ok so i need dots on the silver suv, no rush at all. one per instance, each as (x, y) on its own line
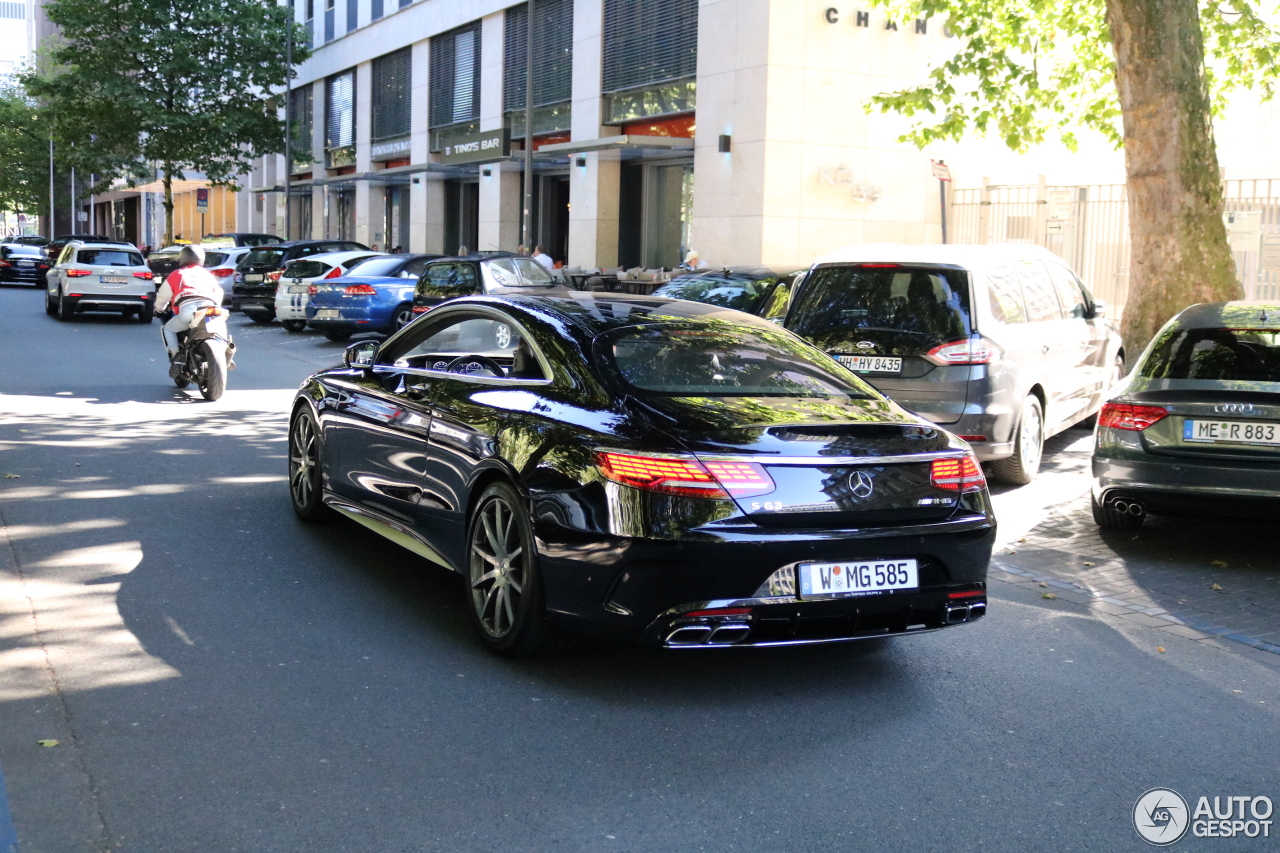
(100, 277)
(1000, 344)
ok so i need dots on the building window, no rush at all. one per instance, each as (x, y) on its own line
(650, 58)
(454, 95)
(391, 94)
(340, 119)
(375, 9)
(302, 114)
(353, 15)
(552, 66)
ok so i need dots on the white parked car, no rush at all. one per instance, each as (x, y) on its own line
(221, 261)
(100, 277)
(298, 275)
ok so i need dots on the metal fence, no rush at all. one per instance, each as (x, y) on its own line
(1088, 226)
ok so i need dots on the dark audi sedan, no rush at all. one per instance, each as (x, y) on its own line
(645, 469)
(1196, 428)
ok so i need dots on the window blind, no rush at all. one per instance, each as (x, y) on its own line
(340, 110)
(303, 117)
(454, 90)
(649, 41)
(391, 94)
(553, 54)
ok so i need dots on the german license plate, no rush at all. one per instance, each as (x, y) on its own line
(26, 263)
(250, 278)
(327, 314)
(112, 279)
(818, 580)
(1231, 432)
(871, 363)
(299, 288)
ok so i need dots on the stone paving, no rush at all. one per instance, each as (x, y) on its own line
(1198, 577)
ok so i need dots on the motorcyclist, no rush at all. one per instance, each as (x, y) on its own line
(188, 288)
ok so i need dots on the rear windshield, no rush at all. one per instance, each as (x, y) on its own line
(263, 257)
(215, 259)
(23, 251)
(306, 269)
(376, 266)
(725, 360)
(740, 292)
(1246, 355)
(109, 258)
(904, 310)
(520, 272)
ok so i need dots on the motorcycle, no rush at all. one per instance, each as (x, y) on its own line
(205, 353)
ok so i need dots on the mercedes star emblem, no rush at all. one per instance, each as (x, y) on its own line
(860, 484)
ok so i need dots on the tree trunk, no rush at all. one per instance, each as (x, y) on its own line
(1179, 251)
(168, 205)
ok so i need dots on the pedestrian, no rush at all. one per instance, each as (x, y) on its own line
(521, 250)
(374, 247)
(693, 262)
(543, 258)
(463, 250)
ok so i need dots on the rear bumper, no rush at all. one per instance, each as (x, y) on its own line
(22, 276)
(110, 301)
(1187, 484)
(640, 589)
(254, 304)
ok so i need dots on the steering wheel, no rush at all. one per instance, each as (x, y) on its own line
(481, 360)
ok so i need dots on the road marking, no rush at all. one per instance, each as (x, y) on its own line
(8, 835)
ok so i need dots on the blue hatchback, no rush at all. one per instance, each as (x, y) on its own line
(375, 296)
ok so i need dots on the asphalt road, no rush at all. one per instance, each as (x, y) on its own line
(220, 677)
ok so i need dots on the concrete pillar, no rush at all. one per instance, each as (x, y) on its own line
(500, 190)
(368, 220)
(419, 197)
(319, 222)
(593, 189)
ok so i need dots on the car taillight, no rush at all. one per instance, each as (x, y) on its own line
(147, 275)
(44, 266)
(421, 309)
(336, 272)
(741, 479)
(223, 272)
(1130, 417)
(5, 264)
(274, 275)
(360, 290)
(78, 273)
(685, 476)
(974, 350)
(957, 475)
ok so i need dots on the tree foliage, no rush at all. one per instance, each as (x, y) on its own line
(1031, 70)
(185, 84)
(24, 153)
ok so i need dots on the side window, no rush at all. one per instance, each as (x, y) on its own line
(1070, 295)
(776, 305)
(1038, 292)
(415, 267)
(465, 279)
(1005, 295)
(65, 257)
(436, 346)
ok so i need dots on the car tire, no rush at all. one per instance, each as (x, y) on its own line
(294, 325)
(1109, 518)
(304, 468)
(402, 316)
(504, 587)
(260, 318)
(146, 314)
(337, 336)
(49, 307)
(1028, 446)
(65, 309)
(213, 378)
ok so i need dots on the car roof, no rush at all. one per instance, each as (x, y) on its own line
(1239, 314)
(756, 271)
(477, 257)
(333, 257)
(593, 313)
(952, 254)
(28, 246)
(98, 244)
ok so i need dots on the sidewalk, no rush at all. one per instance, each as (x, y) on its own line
(1197, 577)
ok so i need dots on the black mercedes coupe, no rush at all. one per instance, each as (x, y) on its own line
(645, 469)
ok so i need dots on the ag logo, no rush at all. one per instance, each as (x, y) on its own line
(1161, 816)
(860, 484)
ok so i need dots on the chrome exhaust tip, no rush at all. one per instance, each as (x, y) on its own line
(689, 635)
(728, 633)
(1137, 510)
(957, 614)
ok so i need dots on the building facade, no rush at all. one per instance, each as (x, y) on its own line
(734, 127)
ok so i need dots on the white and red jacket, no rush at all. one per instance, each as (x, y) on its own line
(187, 282)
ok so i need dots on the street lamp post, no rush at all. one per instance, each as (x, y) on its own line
(288, 124)
(527, 237)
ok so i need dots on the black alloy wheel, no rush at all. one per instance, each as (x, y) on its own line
(146, 313)
(504, 589)
(304, 467)
(337, 336)
(294, 325)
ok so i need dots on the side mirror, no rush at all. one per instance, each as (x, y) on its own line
(1099, 309)
(360, 354)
